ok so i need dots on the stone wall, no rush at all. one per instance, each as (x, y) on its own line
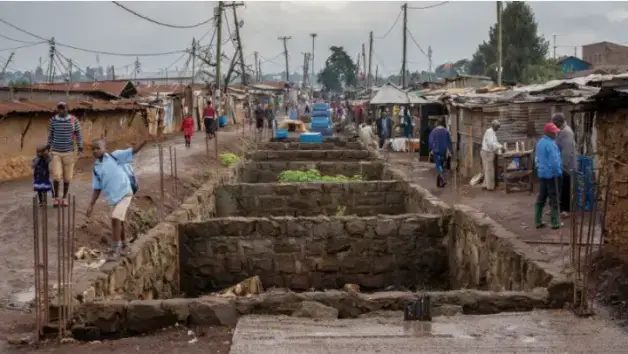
(314, 252)
(309, 155)
(310, 199)
(151, 270)
(484, 255)
(338, 145)
(108, 319)
(268, 171)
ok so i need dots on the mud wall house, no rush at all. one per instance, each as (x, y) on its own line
(24, 126)
(99, 90)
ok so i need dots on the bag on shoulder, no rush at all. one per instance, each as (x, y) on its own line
(129, 173)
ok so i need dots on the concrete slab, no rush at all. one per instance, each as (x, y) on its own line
(531, 332)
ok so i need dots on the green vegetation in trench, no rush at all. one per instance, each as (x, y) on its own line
(228, 159)
(313, 175)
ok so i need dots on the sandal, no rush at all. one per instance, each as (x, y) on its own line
(55, 202)
(64, 203)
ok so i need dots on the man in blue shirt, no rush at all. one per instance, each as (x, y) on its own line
(440, 145)
(111, 176)
(549, 170)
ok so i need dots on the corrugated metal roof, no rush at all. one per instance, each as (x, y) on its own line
(391, 94)
(47, 106)
(112, 87)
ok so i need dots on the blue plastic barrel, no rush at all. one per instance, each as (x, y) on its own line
(222, 121)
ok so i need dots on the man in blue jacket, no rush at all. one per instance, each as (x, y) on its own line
(440, 145)
(549, 170)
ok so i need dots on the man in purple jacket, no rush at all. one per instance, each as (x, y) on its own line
(440, 145)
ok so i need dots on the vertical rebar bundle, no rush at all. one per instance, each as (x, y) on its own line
(162, 211)
(173, 172)
(66, 222)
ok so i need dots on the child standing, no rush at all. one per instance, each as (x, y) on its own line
(41, 174)
(187, 126)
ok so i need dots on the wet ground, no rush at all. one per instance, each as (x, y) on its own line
(16, 235)
(532, 332)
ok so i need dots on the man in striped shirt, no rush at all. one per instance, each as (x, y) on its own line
(64, 129)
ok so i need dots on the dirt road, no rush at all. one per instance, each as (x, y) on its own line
(16, 252)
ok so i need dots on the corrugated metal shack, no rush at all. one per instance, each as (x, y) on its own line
(521, 111)
(609, 109)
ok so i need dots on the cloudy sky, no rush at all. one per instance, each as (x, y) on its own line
(453, 30)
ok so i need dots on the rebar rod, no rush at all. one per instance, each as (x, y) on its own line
(36, 260)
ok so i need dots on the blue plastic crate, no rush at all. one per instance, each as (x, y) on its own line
(320, 107)
(324, 131)
(320, 114)
(281, 134)
(320, 122)
(311, 138)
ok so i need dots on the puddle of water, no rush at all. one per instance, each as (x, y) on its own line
(23, 297)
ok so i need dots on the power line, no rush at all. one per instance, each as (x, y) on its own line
(415, 43)
(271, 60)
(391, 27)
(429, 6)
(89, 50)
(22, 46)
(16, 40)
(158, 22)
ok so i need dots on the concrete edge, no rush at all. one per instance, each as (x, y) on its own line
(94, 320)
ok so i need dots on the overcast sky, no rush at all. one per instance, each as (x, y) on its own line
(453, 30)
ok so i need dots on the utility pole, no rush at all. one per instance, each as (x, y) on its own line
(306, 61)
(67, 91)
(218, 21)
(575, 52)
(376, 72)
(193, 59)
(233, 6)
(6, 65)
(369, 81)
(363, 59)
(405, 42)
(113, 72)
(51, 60)
(285, 53)
(313, 35)
(554, 40)
(429, 58)
(499, 43)
(136, 69)
(255, 55)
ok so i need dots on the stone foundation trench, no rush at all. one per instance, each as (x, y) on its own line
(392, 242)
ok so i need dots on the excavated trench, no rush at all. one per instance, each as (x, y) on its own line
(352, 247)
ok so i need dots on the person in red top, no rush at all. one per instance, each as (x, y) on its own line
(209, 118)
(187, 126)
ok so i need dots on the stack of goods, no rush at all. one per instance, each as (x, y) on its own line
(321, 119)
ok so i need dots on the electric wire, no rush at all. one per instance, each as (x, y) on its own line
(21, 47)
(272, 59)
(391, 27)
(158, 22)
(16, 40)
(89, 50)
(429, 6)
(417, 44)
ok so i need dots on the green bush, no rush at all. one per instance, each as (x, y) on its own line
(228, 159)
(313, 175)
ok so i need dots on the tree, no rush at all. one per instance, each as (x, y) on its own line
(522, 47)
(339, 69)
(543, 72)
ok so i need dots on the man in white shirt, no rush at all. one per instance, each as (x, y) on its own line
(490, 146)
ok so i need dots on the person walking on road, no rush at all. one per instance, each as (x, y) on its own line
(41, 174)
(63, 131)
(113, 176)
(209, 120)
(549, 171)
(567, 145)
(259, 119)
(384, 127)
(187, 126)
(490, 147)
(440, 145)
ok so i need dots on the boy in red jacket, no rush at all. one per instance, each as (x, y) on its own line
(187, 126)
